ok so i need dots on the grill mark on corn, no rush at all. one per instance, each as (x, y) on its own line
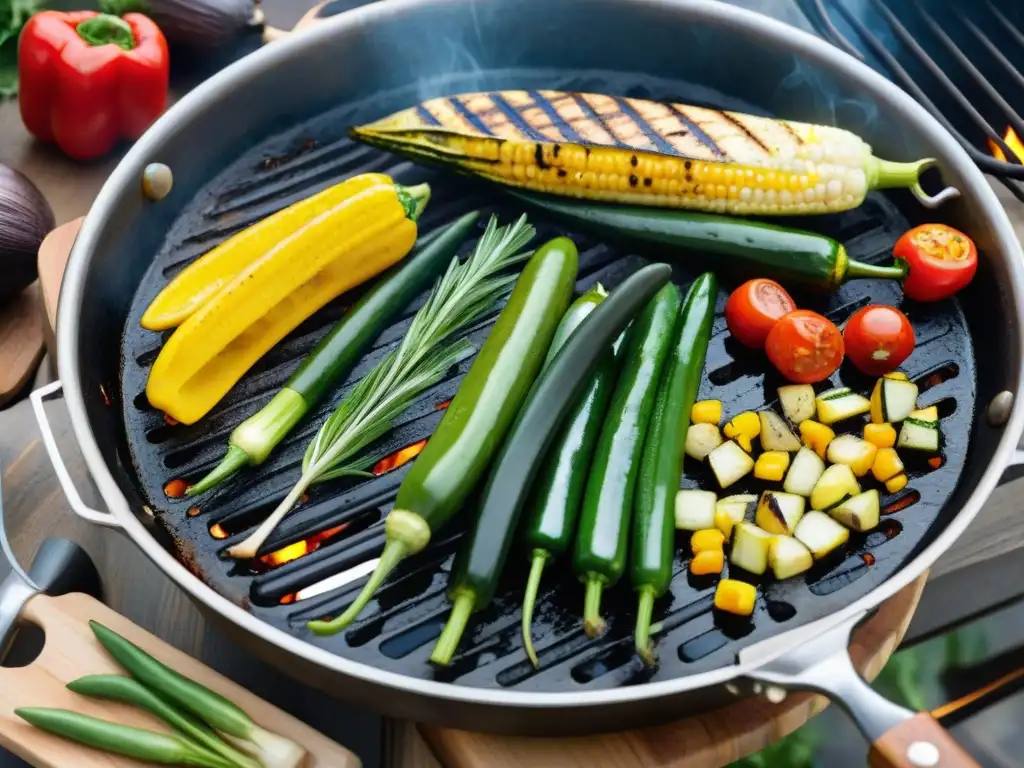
(646, 128)
(789, 129)
(426, 115)
(696, 130)
(590, 113)
(560, 124)
(732, 120)
(516, 119)
(469, 116)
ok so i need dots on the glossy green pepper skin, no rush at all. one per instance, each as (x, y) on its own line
(482, 553)
(751, 247)
(557, 494)
(661, 467)
(599, 557)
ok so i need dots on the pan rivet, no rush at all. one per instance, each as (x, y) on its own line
(157, 181)
(758, 689)
(923, 754)
(732, 688)
(998, 412)
(774, 694)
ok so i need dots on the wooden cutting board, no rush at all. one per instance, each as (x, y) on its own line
(71, 651)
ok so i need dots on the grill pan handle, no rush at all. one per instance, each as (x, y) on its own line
(74, 498)
(900, 738)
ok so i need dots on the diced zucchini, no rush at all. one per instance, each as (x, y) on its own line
(779, 512)
(702, 439)
(920, 431)
(695, 510)
(892, 399)
(836, 484)
(776, 434)
(787, 557)
(854, 452)
(797, 402)
(750, 548)
(838, 404)
(820, 533)
(729, 462)
(804, 472)
(732, 510)
(859, 513)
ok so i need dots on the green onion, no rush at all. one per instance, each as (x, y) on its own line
(272, 750)
(129, 691)
(463, 294)
(138, 743)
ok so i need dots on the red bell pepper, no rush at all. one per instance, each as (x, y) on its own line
(88, 80)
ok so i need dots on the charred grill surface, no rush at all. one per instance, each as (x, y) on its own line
(341, 522)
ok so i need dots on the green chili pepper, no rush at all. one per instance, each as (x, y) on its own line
(763, 250)
(138, 743)
(664, 448)
(482, 553)
(599, 557)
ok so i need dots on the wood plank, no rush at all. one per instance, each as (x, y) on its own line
(71, 651)
(21, 341)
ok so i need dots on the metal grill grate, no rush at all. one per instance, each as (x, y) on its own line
(397, 631)
(962, 61)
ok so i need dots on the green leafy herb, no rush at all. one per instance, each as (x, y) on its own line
(462, 295)
(13, 16)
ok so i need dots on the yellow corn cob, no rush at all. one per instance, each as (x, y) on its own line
(625, 150)
(366, 231)
(201, 279)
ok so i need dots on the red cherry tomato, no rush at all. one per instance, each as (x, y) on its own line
(805, 347)
(941, 260)
(878, 339)
(753, 308)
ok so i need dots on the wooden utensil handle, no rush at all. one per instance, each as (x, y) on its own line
(920, 742)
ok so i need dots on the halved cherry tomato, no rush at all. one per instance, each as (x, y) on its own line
(878, 339)
(805, 347)
(941, 260)
(753, 308)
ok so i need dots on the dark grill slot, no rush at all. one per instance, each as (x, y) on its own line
(396, 630)
(962, 61)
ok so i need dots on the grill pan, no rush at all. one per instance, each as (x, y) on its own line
(298, 97)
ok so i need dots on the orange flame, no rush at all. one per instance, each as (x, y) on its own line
(398, 458)
(176, 488)
(300, 548)
(218, 532)
(1012, 141)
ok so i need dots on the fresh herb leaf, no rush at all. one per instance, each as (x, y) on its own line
(13, 16)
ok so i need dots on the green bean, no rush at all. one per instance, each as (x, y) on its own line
(129, 691)
(138, 743)
(216, 711)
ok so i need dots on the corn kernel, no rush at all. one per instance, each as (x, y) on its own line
(707, 562)
(706, 412)
(881, 435)
(771, 465)
(887, 465)
(743, 429)
(708, 540)
(735, 597)
(816, 436)
(894, 484)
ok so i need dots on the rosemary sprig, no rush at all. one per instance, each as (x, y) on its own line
(465, 292)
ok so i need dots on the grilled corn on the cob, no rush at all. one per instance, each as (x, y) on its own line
(626, 150)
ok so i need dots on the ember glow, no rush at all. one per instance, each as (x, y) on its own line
(218, 532)
(1012, 141)
(176, 488)
(300, 548)
(398, 458)
(442, 406)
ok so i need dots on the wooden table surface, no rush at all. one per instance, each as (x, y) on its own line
(36, 507)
